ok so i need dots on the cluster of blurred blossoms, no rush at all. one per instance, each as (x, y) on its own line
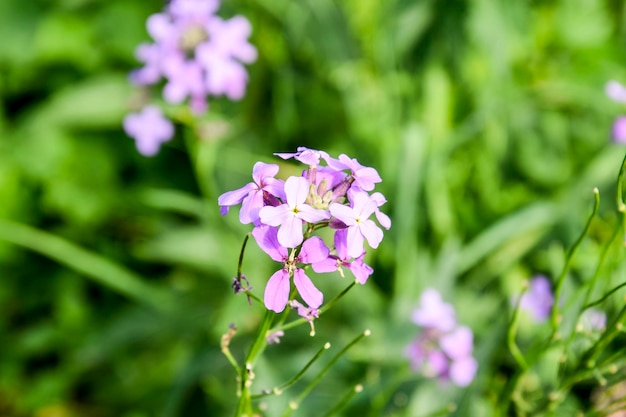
(617, 92)
(197, 54)
(285, 214)
(443, 349)
(539, 300)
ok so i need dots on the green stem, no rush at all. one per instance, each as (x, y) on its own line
(279, 390)
(513, 348)
(554, 318)
(344, 400)
(247, 372)
(301, 321)
(294, 405)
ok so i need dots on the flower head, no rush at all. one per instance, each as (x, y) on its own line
(538, 300)
(444, 349)
(149, 128)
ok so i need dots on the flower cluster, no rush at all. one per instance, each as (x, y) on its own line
(443, 349)
(285, 214)
(538, 300)
(197, 54)
(617, 92)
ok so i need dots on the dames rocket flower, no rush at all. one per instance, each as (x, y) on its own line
(617, 92)
(195, 54)
(443, 349)
(149, 128)
(329, 193)
(538, 300)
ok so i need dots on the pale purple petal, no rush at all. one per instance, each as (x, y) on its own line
(309, 293)
(459, 343)
(616, 91)
(538, 299)
(251, 206)
(433, 312)
(343, 213)
(435, 364)
(619, 130)
(261, 171)
(266, 238)
(274, 216)
(312, 215)
(296, 191)
(462, 372)
(313, 250)
(360, 270)
(354, 242)
(290, 232)
(371, 232)
(277, 291)
(230, 198)
(275, 187)
(341, 244)
(329, 264)
(383, 219)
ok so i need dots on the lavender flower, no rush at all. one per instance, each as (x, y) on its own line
(149, 128)
(286, 214)
(196, 53)
(617, 92)
(593, 319)
(443, 349)
(538, 300)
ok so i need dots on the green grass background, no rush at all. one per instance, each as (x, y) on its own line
(486, 119)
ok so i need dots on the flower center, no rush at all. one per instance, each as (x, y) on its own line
(192, 37)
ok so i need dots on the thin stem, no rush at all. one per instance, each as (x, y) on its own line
(605, 296)
(279, 390)
(554, 319)
(344, 400)
(513, 348)
(318, 378)
(246, 374)
(241, 253)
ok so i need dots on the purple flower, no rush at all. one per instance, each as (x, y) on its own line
(364, 177)
(359, 269)
(538, 300)
(307, 156)
(615, 91)
(197, 53)
(618, 131)
(149, 128)
(433, 312)
(278, 287)
(593, 319)
(443, 350)
(252, 194)
(356, 219)
(291, 215)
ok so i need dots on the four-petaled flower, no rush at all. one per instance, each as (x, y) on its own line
(252, 194)
(291, 215)
(356, 218)
(149, 128)
(278, 287)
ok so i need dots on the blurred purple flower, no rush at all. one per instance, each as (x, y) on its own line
(443, 350)
(149, 128)
(615, 91)
(593, 319)
(618, 131)
(434, 313)
(538, 300)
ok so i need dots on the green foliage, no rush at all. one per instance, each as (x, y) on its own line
(487, 121)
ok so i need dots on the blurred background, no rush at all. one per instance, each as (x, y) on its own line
(486, 119)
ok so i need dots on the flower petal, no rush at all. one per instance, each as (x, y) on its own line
(371, 232)
(277, 291)
(313, 250)
(261, 171)
(266, 238)
(309, 293)
(290, 232)
(296, 191)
